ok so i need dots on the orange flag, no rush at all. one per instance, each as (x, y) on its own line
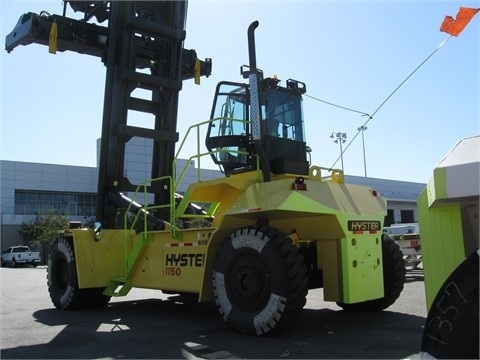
(455, 27)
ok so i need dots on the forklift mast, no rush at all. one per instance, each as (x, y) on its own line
(142, 49)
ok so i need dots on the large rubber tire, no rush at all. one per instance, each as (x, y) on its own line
(393, 279)
(451, 328)
(62, 280)
(259, 281)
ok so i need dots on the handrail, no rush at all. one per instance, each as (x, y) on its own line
(182, 174)
(199, 154)
(174, 183)
(144, 210)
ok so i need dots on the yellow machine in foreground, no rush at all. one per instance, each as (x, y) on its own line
(256, 257)
(273, 228)
(254, 241)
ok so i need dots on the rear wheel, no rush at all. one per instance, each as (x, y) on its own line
(62, 280)
(259, 281)
(393, 279)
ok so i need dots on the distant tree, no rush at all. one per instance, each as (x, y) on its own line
(40, 232)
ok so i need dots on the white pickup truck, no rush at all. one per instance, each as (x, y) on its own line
(17, 255)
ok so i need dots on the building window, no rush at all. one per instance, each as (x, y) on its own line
(29, 202)
(390, 218)
(406, 216)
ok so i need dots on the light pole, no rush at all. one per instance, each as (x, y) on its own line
(363, 128)
(340, 138)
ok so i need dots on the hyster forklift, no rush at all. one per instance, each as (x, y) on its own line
(254, 241)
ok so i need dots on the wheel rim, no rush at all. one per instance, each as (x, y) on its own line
(248, 283)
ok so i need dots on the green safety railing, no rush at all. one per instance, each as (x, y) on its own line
(175, 212)
(179, 212)
(144, 211)
(199, 155)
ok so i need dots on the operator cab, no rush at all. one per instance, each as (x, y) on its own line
(229, 135)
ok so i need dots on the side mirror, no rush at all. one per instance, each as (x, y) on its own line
(97, 230)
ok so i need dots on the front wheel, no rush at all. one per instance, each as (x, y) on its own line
(259, 281)
(393, 279)
(62, 280)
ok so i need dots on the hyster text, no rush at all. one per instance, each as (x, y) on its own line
(184, 260)
(364, 225)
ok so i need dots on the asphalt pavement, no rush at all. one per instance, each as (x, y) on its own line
(150, 324)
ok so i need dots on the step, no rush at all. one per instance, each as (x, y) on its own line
(119, 286)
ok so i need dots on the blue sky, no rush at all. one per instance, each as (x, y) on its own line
(353, 54)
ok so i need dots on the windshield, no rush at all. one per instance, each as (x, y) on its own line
(282, 114)
(230, 111)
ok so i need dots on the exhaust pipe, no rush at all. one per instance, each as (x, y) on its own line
(255, 108)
